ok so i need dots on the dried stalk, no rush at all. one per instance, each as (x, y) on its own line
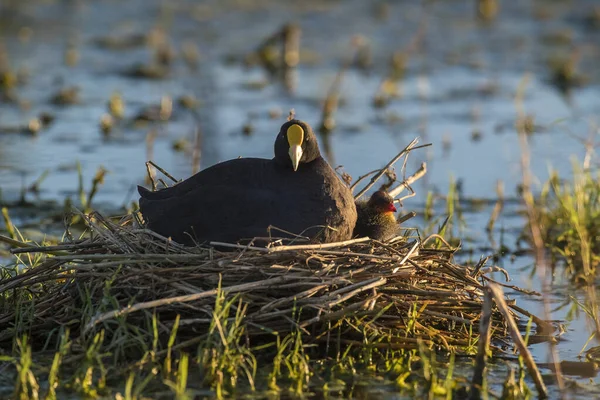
(498, 295)
(411, 146)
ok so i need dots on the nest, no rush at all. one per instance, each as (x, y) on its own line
(142, 292)
(396, 294)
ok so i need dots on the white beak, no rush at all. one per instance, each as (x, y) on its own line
(295, 155)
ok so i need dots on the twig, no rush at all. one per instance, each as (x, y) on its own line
(406, 217)
(165, 173)
(407, 256)
(483, 346)
(150, 176)
(411, 146)
(360, 178)
(319, 246)
(181, 299)
(409, 181)
(13, 242)
(498, 295)
(297, 247)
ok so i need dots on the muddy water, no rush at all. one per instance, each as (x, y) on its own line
(458, 92)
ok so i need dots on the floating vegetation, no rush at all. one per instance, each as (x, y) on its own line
(46, 119)
(123, 42)
(279, 54)
(159, 112)
(107, 123)
(66, 96)
(32, 127)
(565, 73)
(592, 18)
(188, 101)
(8, 80)
(191, 54)
(147, 71)
(116, 105)
(487, 10)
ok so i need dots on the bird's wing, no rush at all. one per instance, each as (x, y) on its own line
(219, 213)
(243, 172)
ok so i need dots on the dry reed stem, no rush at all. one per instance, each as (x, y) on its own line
(498, 295)
(395, 192)
(483, 346)
(165, 173)
(181, 299)
(12, 242)
(411, 146)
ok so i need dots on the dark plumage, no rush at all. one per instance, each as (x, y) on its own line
(376, 217)
(239, 199)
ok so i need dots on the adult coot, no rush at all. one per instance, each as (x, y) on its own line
(376, 217)
(296, 191)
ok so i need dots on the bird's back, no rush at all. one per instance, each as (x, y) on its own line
(240, 199)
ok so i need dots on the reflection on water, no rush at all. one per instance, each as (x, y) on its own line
(457, 91)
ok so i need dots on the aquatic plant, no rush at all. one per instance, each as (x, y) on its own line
(570, 221)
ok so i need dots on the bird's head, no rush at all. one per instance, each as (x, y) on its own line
(382, 202)
(296, 143)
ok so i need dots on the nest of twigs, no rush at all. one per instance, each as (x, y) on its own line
(395, 293)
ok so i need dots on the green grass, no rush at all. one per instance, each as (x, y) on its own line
(570, 221)
(223, 366)
(449, 225)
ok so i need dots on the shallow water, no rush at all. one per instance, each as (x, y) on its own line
(458, 93)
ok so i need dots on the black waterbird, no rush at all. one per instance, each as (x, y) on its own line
(296, 191)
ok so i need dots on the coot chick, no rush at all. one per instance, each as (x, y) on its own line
(237, 200)
(376, 217)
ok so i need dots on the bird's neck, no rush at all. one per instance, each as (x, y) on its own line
(389, 216)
